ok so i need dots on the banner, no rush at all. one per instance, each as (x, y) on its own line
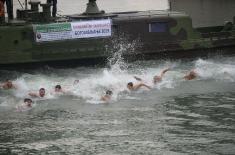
(90, 29)
(74, 30)
(53, 32)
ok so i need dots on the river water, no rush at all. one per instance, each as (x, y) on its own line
(174, 117)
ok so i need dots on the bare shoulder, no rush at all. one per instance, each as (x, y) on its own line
(33, 94)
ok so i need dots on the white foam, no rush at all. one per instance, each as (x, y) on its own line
(215, 70)
(93, 83)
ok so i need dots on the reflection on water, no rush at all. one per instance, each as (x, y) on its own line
(175, 117)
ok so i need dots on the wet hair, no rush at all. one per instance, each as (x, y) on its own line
(130, 84)
(109, 92)
(157, 79)
(28, 100)
(42, 89)
(76, 82)
(9, 84)
(58, 86)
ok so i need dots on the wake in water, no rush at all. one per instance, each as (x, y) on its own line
(96, 82)
(90, 84)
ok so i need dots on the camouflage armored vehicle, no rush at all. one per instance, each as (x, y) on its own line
(37, 37)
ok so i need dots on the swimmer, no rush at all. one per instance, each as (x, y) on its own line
(156, 78)
(191, 75)
(28, 102)
(107, 96)
(75, 82)
(137, 78)
(27, 105)
(8, 85)
(133, 87)
(41, 93)
(58, 89)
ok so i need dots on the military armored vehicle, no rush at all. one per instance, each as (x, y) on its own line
(37, 37)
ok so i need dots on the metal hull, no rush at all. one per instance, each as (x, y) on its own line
(179, 38)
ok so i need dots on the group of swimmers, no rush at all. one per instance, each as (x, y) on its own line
(156, 79)
(8, 84)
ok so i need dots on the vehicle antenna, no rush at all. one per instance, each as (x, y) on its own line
(26, 4)
(20, 4)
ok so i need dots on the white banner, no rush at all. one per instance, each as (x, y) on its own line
(74, 30)
(90, 29)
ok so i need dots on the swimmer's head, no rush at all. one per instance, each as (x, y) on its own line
(42, 92)
(76, 82)
(130, 85)
(9, 84)
(109, 92)
(191, 75)
(58, 88)
(28, 102)
(157, 79)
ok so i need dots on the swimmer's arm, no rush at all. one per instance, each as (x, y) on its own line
(64, 91)
(164, 71)
(2, 85)
(103, 98)
(227, 74)
(15, 86)
(142, 85)
(33, 94)
(147, 86)
(185, 77)
(137, 78)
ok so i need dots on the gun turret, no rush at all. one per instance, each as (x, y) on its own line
(92, 12)
(92, 8)
(35, 5)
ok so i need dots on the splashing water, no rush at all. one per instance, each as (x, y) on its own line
(215, 70)
(119, 47)
(189, 115)
(93, 82)
(92, 85)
